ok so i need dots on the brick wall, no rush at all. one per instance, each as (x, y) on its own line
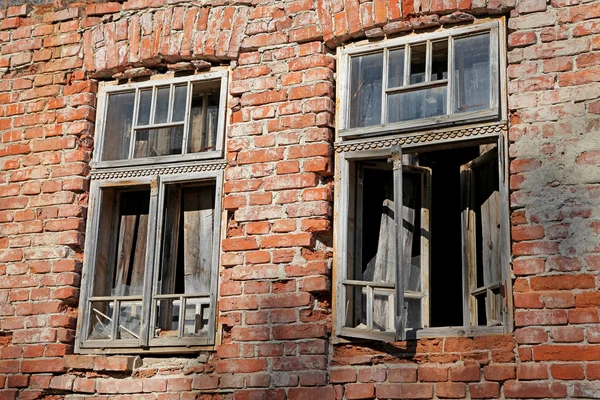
(275, 305)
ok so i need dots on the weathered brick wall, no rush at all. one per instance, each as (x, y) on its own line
(275, 283)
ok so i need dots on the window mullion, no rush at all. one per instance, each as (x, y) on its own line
(450, 92)
(150, 264)
(136, 105)
(186, 120)
(384, 83)
(428, 57)
(406, 65)
(400, 320)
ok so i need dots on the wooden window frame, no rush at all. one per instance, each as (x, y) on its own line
(344, 237)
(155, 173)
(390, 141)
(107, 89)
(496, 31)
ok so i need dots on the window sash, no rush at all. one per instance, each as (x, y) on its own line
(344, 243)
(450, 117)
(152, 265)
(101, 122)
(346, 254)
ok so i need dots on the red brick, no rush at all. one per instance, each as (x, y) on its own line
(484, 390)
(534, 390)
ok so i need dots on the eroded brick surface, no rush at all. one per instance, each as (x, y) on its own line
(276, 277)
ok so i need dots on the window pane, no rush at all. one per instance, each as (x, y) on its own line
(197, 312)
(413, 313)
(162, 105)
(417, 104)
(383, 310)
(167, 321)
(472, 73)
(158, 142)
(130, 317)
(101, 323)
(179, 103)
(439, 60)
(121, 248)
(204, 116)
(144, 107)
(396, 68)
(366, 90)
(417, 63)
(117, 127)
(186, 259)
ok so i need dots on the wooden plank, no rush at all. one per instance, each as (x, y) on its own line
(400, 321)
(197, 219)
(125, 248)
(136, 282)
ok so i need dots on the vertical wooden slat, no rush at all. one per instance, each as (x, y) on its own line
(139, 256)
(125, 249)
(400, 321)
(197, 219)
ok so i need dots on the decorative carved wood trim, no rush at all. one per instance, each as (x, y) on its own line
(152, 171)
(421, 138)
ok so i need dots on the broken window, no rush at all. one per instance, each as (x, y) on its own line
(151, 252)
(179, 118)
(427, 80)
(422, 221)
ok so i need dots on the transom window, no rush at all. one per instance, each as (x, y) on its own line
(432, 79)
(162, 121)
(152, 242)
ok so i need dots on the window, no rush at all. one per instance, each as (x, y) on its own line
(422, 219)
(152, 242)
(435, 79)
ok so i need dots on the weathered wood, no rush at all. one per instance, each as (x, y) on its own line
(136, 282)
(198, 206)
(125, 248)
(400, 320)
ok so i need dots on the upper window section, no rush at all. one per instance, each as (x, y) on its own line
(167, 120)
(411, 83)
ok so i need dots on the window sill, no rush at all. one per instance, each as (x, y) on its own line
(146, 351)
(407, 127)
(348, 335)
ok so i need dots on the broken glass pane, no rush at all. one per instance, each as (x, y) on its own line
(439, 60)
(101, 323)
(195, 322)
(418, 55)
(130, 317)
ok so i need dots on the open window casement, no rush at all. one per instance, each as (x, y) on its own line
(439, 270)
(386, 290)
(153, 256)
(482, 244)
